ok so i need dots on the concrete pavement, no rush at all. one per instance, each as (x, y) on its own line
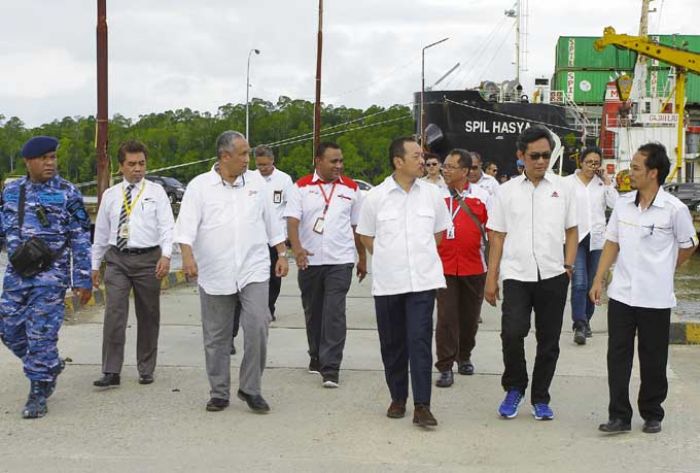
(164, 427)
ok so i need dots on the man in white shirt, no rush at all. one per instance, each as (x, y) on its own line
(433, 175)
(529, 219)
(480, 178)
(278, 185)
(322, 212)
(650, 234)
(224, 228)
(401, 223)
(594, 193)
(134, 236)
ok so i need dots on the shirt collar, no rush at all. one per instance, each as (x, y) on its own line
(137, 186)
(214, 178)
(658, 201)
(317, 178)
(547, 177)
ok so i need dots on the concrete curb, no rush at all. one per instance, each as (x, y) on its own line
(175, 278)
(684, 333)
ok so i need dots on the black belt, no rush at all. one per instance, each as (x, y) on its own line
(137, 251)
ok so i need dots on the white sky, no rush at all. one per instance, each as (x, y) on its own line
(168, 54)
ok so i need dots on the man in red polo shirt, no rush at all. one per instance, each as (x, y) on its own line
(462, 251)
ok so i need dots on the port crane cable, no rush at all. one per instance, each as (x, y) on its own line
(493, 56)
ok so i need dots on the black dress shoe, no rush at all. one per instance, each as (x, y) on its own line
(217, 404)
(466, 368)
(651, 426)
(423, 417)
(445, 380)
(255, 402)
(109, 379)
(615, 426)
(145, 379)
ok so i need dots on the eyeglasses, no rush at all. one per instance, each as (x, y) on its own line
(432, 164)
(593, 164)
(536, 156)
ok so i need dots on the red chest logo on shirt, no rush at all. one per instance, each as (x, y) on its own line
(555, 194)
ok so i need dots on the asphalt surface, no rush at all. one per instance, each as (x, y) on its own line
(163, 427)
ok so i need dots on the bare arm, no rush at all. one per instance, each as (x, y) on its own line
(684, 255)
(361, 255)
(570, 248)
(300, 254)
(368, 243)
(189, 265)
(438, 238)
(607, 258)
(496, 241)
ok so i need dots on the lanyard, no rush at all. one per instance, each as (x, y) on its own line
(327, 199)
(453, 197)
(128, 207)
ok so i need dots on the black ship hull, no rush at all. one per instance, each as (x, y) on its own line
(463, 119)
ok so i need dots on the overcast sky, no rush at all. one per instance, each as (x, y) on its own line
(168, 54)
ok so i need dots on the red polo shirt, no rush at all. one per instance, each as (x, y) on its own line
(464, 254)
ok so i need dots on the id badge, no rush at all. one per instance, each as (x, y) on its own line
(277, 197)
(124, 231)
(318, 226)
(450, 233)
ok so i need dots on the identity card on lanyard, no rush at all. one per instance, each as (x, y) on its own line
(321, 221)
(128, 207)
(451, 230)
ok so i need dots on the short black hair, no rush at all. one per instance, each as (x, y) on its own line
(476, 155)
(396, 148)
(591, 150)
(323, 146)
(489, 163)
(427, 156)
(655, 157)
(532, 134)
(131, 146)
(465, 157)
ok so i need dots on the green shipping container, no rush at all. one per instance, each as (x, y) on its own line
(584, 87)
(686, 42)
(577, 52)
(588, 87)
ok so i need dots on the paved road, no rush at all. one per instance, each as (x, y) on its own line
(164, 427)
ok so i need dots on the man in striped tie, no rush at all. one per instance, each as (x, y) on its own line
(133, 234)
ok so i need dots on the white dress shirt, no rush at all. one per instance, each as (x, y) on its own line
(535, 220)
(229, 228)
(404, 225)
(488, 183)
(306, 203)
(441, 184)
(591, 202)
(150, 223)
(649, 241)
(279, 184)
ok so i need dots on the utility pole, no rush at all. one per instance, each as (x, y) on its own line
(102, 120)
(247, 91)
(317, 105)
(421, 119)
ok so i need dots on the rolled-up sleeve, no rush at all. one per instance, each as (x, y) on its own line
(497, 221)
(293, 207)
(188, 219)
(367, 220)
(684, 229)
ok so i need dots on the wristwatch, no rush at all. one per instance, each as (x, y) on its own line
(282, 255)
(569, 266)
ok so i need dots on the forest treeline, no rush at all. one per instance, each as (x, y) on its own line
(186, 136)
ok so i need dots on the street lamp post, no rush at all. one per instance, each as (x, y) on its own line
(247, 92)
(422, 88)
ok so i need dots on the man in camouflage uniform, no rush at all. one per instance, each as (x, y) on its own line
(31, 308)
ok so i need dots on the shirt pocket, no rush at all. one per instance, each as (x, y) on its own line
(387, 223)
(148, 210)
(425, 220)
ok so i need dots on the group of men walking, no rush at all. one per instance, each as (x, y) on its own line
(430, 240)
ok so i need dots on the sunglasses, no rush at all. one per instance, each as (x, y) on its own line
(536, 156)
(431, 164)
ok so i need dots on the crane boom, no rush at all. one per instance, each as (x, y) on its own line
(683, 61)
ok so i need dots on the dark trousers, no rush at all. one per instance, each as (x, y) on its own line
(548, 298)
(651, 326)
(323, 292)
(123, 273)
(275, 286)
(459, 307)
(405, 325)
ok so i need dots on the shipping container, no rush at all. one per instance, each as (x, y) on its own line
(588, 87)
(584, 87)
(577, 53)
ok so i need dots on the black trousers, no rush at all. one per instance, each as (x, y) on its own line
(548, 298)
(275, 286)
(405, 326)
(323, 294)
(651, 326)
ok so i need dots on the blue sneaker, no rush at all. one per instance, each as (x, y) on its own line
(509, 406)
(542, 412)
